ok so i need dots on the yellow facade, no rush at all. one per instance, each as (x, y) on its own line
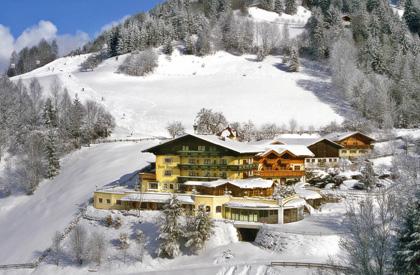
(353, 153)
(108, 200)
(169, 169)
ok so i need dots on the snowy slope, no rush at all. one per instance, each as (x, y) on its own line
(27, 224)
(236, 85)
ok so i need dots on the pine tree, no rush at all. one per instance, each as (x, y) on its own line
(412, 15)
(199, 230)
(170, 230)
(294, 60)
(278, 7)
(407, 256)
(267, 4)
(53, 162)
(50, 114)
(76, 120)
(291, 7)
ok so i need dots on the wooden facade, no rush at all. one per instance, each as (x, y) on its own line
(356, 141)
(230, 189)
(325, 149)
(273, 165)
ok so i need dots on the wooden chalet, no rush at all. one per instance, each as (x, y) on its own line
(355, 144)
(255, 187)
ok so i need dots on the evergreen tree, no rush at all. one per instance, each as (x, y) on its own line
(291, 7)
(199, 230)
(50, 114)
(294, 60)
(278, 7)
(170, 230)
(412, 15)
(76, 120)
(267, 4)
(407, 256)
(53, 163)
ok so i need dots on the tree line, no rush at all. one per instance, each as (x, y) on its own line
(35, 131)
(29, 59)
(373, 56)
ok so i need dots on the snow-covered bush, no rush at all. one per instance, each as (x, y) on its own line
(97, 247)
(199, 230)
(170, 229)
(139, 64)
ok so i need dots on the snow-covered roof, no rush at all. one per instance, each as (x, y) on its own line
(304, 141)
(241, 183)
(306, 193)
(338, 136)
(250, 204)
(297, 150)
(236, 146)
(295, 203)
(157, 197)
(117, 189)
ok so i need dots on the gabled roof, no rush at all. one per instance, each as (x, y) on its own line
(236, 146)
(241, 183)
(339, 136)
(306, 141)
(295, 150)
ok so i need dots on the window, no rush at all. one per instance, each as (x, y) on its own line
(201, 148)
(263, 213)
(208, 208)
(100, 200)
(313, 160)
(212, 148)
(362, 151)
(353, 151)
(108, 201)
(153, 185)
(207, 174)
(344, 151)
(330, 160)
(218, 209)
(223, 175)
(119, 202)
(168, 173)
(223, 161)
(171, 186)
(185, 148)
(168, 160)
(308, 160)
(297, 167)
(335, 160)
(207, 161)
(191, 161)
(165, 186)
(192, 173)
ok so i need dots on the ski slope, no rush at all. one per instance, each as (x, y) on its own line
(181, 85)
(28, 223)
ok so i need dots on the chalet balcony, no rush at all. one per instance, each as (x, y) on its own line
(192, 153)
(244, 167)
(182, 179)
(279, 173)
(350, 146)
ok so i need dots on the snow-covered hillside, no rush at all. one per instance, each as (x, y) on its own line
(28, 223)
(236, 85)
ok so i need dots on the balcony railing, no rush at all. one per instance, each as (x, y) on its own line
(351, 146)
(199, 153)
(197, 178)
(279, 173)
(243, 167)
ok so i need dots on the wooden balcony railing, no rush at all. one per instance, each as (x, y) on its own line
(279, 173)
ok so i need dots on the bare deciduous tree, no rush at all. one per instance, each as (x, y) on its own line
(97, 247)
(370, 235)
(175, 129)
(78, 238)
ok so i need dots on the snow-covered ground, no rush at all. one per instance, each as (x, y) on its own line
(236, 85)
(27, 223)
(295, 22)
